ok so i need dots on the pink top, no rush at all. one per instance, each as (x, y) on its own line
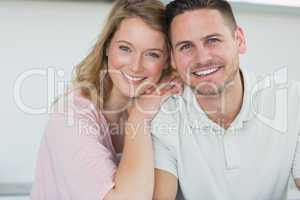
(76, 159)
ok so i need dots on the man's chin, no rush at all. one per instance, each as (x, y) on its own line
(208, 90)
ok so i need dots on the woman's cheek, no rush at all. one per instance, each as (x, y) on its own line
(117, 61)
(155, 71)
(115, 64)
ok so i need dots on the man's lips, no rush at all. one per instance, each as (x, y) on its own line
(206, 71)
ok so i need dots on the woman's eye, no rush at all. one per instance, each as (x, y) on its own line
(154, 55)
(124, 48)
(185, 47)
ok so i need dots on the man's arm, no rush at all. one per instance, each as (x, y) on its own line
(165, 187)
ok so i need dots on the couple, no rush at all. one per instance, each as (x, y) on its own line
(137, 132)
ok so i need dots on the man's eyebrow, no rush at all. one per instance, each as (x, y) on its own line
(204, 38)
(181, 42)
(213, 35)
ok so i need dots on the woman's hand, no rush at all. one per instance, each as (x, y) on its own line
(147, 105)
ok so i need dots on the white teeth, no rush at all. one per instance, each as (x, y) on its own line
(132, 78)
(206, 72)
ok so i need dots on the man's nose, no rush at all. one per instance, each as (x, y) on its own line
(202, 55)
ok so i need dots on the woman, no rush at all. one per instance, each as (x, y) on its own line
(116, 92)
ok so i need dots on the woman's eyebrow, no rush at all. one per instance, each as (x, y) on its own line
(155, 49)
(150, 49)
(124, 41)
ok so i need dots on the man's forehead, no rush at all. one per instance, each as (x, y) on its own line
(198, 23)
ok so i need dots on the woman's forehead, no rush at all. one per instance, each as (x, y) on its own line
(136, 31)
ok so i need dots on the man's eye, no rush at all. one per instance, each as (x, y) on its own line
(124, 48)
(154, 55)
(185, 47)
(213, 40)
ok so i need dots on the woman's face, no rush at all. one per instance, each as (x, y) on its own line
(137, 55)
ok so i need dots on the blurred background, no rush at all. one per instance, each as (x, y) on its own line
(41, 41)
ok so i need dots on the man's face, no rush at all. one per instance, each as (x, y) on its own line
(206, 50)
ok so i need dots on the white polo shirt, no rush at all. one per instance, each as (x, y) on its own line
(251, 160)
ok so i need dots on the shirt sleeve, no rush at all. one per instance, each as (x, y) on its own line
(83, 163)
(296, 163)
(164, 139)
(164, 157)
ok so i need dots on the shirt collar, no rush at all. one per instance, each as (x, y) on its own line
(246, 113)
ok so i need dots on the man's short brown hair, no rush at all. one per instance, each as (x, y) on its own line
(177, 7)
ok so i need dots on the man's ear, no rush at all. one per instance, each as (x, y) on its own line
(241, 40)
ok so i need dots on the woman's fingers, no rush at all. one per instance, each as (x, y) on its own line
(165, 85)
(175, 90)
(173, 85)
(156, 95)
(150, 90)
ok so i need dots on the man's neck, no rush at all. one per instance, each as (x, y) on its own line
(223, 108)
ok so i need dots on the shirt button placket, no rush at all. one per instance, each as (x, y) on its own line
(230, 152)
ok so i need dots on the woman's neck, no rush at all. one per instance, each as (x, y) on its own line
(115, 106)
(115, 111)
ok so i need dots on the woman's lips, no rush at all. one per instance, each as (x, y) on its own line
(133, 79)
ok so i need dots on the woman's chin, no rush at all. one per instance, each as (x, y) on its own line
(131, 93)
(135, 94)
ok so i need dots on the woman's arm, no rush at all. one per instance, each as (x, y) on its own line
(135, 175)
(75, 162)
(166, 185)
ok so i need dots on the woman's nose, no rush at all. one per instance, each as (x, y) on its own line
(137, 64)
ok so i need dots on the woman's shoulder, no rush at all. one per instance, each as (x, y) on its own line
(74, 115)
(74, 104)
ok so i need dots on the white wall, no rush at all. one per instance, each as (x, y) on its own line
(273, 39)
(42, 34)
(37, 35)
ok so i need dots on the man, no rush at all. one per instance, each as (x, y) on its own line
(231, 135)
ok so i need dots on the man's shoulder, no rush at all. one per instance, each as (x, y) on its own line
(271, 94)
(293, 90)
(294, 86)
(168, 117)
(270, 84)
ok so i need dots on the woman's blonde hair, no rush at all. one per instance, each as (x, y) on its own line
(91, 77)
